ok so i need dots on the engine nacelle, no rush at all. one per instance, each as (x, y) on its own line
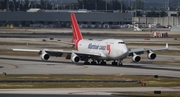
(151, 55)
(75, 58)
(136, 58)
(45, 56)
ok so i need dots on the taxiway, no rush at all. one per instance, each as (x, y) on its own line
(59, 65)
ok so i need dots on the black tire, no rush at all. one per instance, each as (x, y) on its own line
(86, 63)
(114, 63)
(93, 63)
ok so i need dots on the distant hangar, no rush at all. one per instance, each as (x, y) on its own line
(62, 19)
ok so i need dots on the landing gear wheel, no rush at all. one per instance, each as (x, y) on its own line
(86, 63)
(93, 63)
(120, 63)
(114, 63)
(103, 63)
(98, 61)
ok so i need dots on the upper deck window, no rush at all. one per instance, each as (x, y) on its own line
(121, 42)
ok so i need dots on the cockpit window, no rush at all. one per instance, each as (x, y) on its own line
(121, 43)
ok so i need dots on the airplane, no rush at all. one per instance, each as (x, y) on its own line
(95, 51)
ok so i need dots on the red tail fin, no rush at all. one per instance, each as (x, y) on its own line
(75, 29)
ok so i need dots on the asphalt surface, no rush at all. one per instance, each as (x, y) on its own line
(59, 65)
(12, 64)
(53, 95)
(67, 33)
(88, 91)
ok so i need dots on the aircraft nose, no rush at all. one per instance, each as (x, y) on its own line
(125, 51)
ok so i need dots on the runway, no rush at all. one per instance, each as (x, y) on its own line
(53, 95)
(89, 91)
(59, 65)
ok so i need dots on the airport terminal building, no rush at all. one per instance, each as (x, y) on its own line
(62, 19)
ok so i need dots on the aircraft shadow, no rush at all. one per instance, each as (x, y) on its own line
(140, 67)
(108, 65)
(29, 60)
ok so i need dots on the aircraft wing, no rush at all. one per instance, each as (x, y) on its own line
(56, 52)
(79, 53)
(64, 42)
(26, 50)
(142, 50)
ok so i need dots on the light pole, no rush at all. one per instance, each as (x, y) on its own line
(61, 5)
(121, 6)
(96, 6)
(57, 7)
(106, 5)
(136, 8)
(35, 4)
(83, 4)
(19, 5)
(168, 11)
(14, 6)
(70, 6)
(53, 5)
(7, 5)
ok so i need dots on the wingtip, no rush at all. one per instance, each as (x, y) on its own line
(167, 45)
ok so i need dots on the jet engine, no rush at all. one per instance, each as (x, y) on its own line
(75, 58)
(136, 58)
(45, 56)
(151, 55)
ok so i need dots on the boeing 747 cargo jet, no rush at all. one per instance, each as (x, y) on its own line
(94, 51)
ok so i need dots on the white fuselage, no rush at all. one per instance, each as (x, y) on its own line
(109, 49)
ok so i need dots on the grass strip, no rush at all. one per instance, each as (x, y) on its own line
(163, 94)
(150, 44)
(168, 52)
(172, 63)
(150, 81)
(17, 53)
(63, 85)
(15, 43)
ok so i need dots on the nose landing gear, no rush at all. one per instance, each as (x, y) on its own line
(120, 63)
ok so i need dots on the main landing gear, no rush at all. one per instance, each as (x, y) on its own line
(95, 63)
(86, 63)
(90, 63)
(102, 62)
(114, 63)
